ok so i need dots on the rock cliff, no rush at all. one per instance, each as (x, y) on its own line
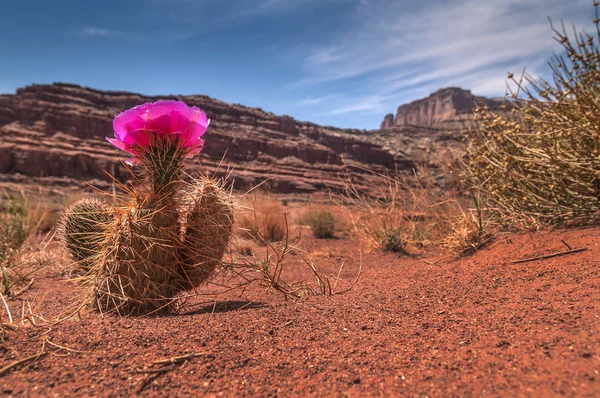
(444, 108)
(57, 132)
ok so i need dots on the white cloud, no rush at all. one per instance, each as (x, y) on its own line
(394, 47)
(370, 105)
(317, 100)
(96, 31)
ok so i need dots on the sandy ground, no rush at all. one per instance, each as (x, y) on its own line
(479, 326)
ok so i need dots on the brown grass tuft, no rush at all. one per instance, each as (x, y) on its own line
(20, 220)
(466, 235)
(405, 217)
(261, 217)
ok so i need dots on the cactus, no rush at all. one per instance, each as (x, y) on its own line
(83, 228)
(168, 235)
(154, 252)
(138, 270)
(208, 228)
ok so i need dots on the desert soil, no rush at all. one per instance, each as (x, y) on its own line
(433, 326)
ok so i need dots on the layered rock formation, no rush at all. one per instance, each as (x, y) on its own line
(57, 132)
(444, 108)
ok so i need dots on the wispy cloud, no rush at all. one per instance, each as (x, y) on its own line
(234, 9)
(158, 36)
(101, 32)
(395, 46)
(317, 100)
(369, 104)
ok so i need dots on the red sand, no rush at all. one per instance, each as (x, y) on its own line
(479, 326)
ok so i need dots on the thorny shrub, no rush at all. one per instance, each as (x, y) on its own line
(539, 164)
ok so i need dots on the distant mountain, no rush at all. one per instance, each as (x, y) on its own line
(444, 108)
(56, 133)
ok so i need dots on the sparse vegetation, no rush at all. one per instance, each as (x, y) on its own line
(262, 217)
(391, 240)
(18, 224)
(539, 164)
(15, 223)
(322, 223)
(468, 232)
(404, 218)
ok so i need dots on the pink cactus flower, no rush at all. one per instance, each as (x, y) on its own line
(168, 121)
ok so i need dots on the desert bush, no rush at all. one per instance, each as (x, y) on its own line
(468, 232)
(261, 217)
(391, 240)
(539, 164)
(18, 223)
(404, 217)
(14, 221)
(322, 223)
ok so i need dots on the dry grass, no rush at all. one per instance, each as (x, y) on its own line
(23, 250)
(20, 221)
(468, 232)
(270, 270)
(405, 217)
(540, 164)
(261, 217)
(409, 217)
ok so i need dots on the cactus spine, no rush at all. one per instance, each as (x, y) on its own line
(83, 229)
(168, 237)
(208, 228)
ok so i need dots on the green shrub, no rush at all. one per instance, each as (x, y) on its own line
(14, 222)
(321, 222)
(391, 240)
(15, 229)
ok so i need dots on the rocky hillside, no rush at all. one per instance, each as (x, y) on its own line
(56, 134)
(443, 109)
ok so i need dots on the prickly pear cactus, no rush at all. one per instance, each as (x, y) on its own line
(83, 229)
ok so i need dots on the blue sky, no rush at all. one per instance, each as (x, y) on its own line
(335, 62)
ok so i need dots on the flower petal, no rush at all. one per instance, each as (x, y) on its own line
(119, 144)
(138, 138)
(171, 120)
(195, 151)
(127, 121)
(191, 137)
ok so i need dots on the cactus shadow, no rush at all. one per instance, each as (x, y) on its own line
(226, 306)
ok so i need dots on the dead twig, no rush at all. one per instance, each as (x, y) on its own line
(30, 359)
(47, 340)
(566, 244)
(166, 365)
(24, 288)
(563, 253)
(162, 370)
(178, 360)
(10, 319)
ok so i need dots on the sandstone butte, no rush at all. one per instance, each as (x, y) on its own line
(55, 134)
(441, 109)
